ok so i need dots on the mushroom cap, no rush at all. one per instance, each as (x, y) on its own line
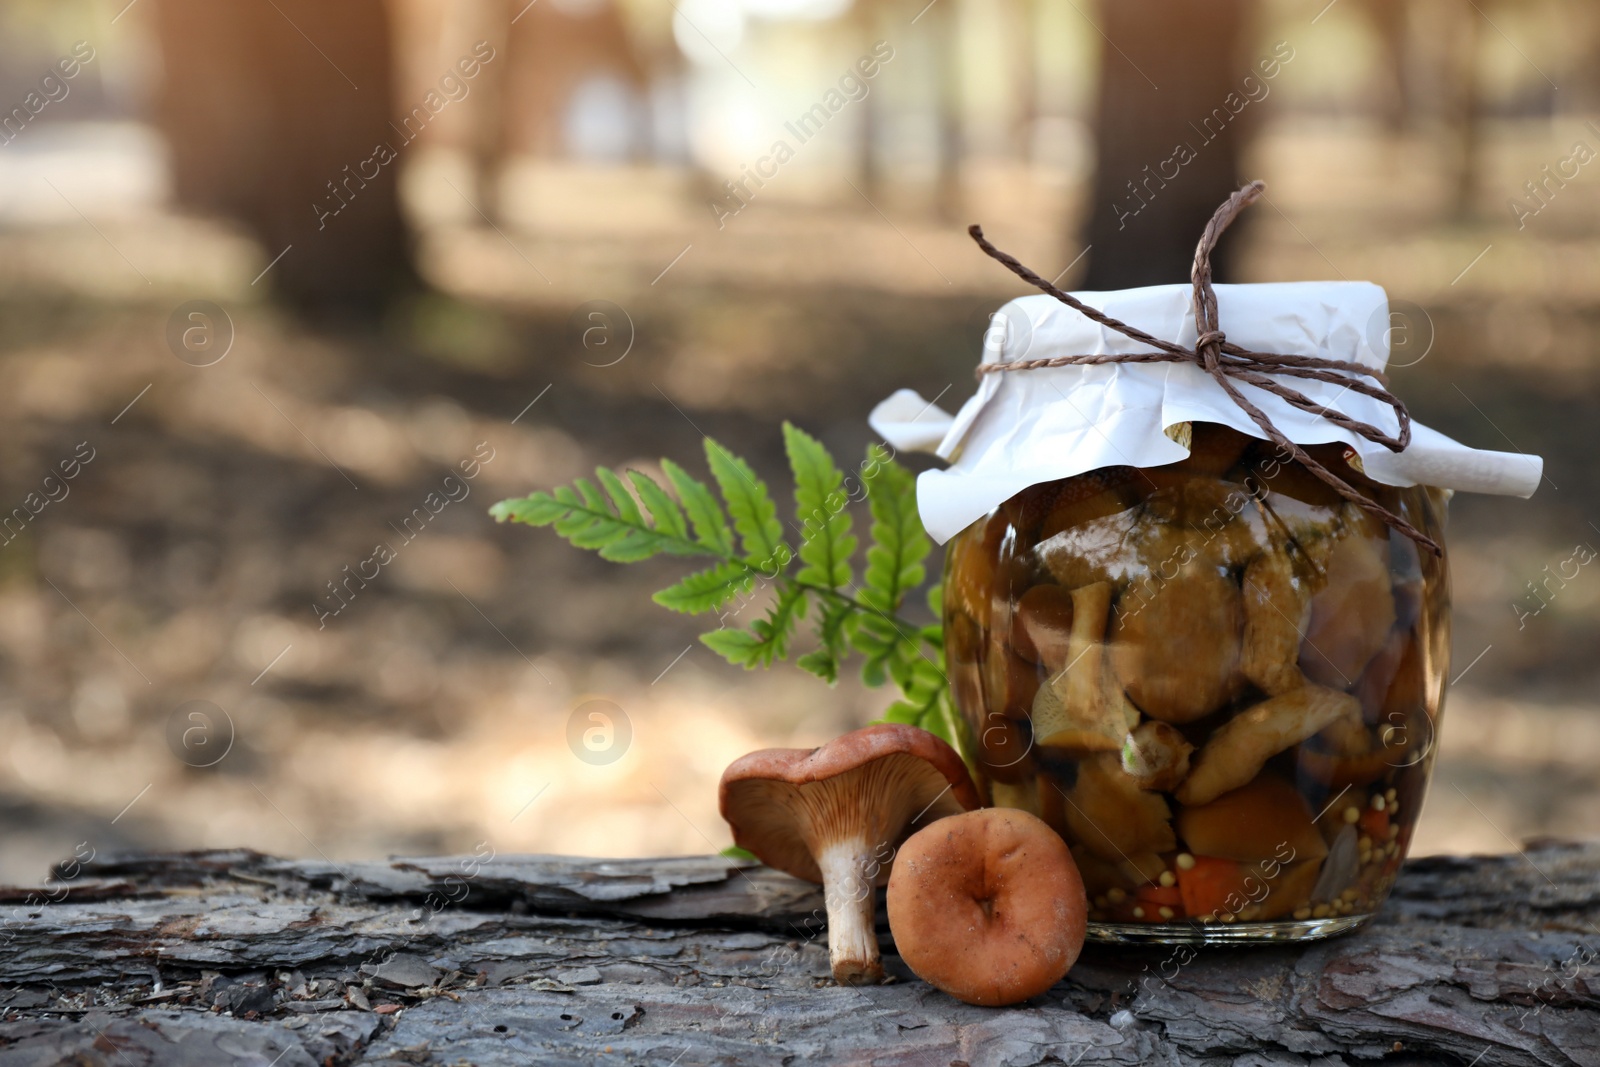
(988, 906)
(878, 784)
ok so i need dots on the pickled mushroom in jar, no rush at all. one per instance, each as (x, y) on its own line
(1090, 552)
(1157, 756)
(1143, 868)
(1239, 748)
(1208, 514)
(1265, 818)
(1334, 771)
(1023, 794)
(973, 565)
(1010, 682)
(1353, 611)
(1292, 889)
(1004, 750)
(1096, 495)
(1175, 642)
(1082, 709)
(1041, 511)
(1277, 608)
(1108, 812)
(1041, 627)
(1179, 664)
(1099, 875)
(1347, 737)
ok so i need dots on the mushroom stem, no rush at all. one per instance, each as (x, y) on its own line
(847, 868)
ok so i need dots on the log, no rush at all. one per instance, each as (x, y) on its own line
(232, 957)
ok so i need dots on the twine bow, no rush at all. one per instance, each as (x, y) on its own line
(1228, 363)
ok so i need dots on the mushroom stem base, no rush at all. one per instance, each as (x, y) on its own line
(849, 869)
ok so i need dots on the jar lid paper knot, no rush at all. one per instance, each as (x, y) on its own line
(1229, 364)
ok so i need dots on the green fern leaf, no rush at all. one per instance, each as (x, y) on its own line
(706, 590)
(826, 543)
(767, 640)
(739, 647)
(902, 711)
(665, 514)
(899, 544)
(609, 522)
(821, 664)
(621, 500)
(535, 509)
(835, 624)
(754, 514)
(931, 712)
(776, 629)
(629, 516)
(633, 546)
(710, 525)
(592, 498)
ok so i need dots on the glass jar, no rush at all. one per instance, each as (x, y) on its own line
(1219, 681)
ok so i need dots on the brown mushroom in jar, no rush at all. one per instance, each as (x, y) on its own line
(1005, 749)
(972, 571)
(1082, 709)
(1109, 813)
(1352, 613)
(1041, 627)
(1276, 610)
(1157, 756)
(1238, 749)
(1175, 646)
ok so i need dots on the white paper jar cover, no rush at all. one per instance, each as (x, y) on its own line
(1026, 427)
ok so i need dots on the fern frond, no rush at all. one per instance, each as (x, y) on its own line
(826, 543)
(754, 514)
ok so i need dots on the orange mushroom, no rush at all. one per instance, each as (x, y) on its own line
(988, 906)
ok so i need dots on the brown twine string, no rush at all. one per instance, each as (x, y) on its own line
(1227, 362)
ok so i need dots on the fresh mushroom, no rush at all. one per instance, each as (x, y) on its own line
(988, 906)
(836, 814)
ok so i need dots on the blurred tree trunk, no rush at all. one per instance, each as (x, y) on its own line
(1463, 112)
(1390, 21)
(948, 100)
(866, 19)
(1167, 69)
(1024, 27)
(551, 52)
(272, 111)
(487, 144)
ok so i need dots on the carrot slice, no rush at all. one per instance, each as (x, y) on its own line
(1375, 824)
(1160, 895)
(1206, 887)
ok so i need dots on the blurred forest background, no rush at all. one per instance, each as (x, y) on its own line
(564, 254)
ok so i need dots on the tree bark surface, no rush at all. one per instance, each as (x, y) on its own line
(230, 957)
